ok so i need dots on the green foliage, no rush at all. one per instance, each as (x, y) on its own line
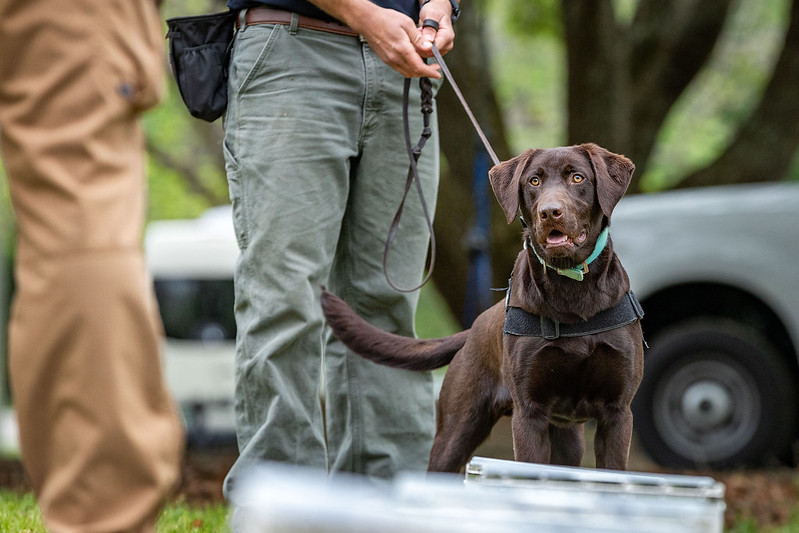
(185, 174)
(528, 64)
(723, 94)
(6, 217)
(793, 174)
(185, 170)
(177, 8)
(433, 317)
(540, 17)
(529, 69)
(625, 10)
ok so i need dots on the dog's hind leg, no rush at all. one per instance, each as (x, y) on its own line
(567, 444)
(458, 435)
(466, 413)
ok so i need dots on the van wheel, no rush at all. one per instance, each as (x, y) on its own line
(715, 394)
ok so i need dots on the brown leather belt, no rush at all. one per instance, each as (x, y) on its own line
(266, 15)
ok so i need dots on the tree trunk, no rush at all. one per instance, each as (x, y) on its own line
(623, 81)
(469, 63)
(597, 79)
(670, 41)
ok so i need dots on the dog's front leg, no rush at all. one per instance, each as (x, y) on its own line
(531, 442)
(614, 433)
(567, 444)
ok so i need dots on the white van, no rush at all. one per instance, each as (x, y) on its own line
(192, 262)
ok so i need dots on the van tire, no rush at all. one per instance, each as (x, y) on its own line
(715, 394)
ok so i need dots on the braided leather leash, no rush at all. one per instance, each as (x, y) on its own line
(413, 154)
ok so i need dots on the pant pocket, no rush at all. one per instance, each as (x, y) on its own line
(130, 54)
(251, 51)
(236, 192)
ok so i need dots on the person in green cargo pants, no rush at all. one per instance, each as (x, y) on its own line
(316, 164)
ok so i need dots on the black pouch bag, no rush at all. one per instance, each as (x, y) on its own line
(199, 50)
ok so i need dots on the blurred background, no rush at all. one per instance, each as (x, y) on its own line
(700, 94)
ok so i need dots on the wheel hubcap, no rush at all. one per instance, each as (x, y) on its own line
(706, 403)
(707, 410)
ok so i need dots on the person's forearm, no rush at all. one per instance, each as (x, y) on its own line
(354, 13)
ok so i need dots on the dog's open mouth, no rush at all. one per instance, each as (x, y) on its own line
(558, 239)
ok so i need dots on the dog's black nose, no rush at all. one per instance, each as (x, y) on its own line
(551, 210)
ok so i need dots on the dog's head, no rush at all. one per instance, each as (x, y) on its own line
(565, 195)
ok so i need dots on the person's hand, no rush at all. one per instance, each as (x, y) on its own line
(398, 42)
(392, 35)
(443, 38)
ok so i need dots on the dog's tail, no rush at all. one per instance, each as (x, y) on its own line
(387, 348)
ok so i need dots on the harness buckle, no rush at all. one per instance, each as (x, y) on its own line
(550, 329)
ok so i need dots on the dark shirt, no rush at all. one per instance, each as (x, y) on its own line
(303, 7)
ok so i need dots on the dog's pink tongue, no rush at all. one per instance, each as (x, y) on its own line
(556, 237)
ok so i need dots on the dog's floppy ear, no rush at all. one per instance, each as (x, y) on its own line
(505, 182)
(613, 174)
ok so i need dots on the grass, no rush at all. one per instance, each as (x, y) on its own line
(180, 517)
(749, 526)
(19, 514)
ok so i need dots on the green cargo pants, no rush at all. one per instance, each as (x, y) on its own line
(316, 164)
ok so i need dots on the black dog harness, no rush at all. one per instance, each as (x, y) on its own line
(519, 322)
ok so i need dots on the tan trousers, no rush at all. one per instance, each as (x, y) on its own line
(100, 436)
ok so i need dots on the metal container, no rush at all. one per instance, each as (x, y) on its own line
(583, 499)
(496, 496)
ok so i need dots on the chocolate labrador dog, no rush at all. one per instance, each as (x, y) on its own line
(566, 344)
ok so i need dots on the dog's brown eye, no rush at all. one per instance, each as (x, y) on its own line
(535, 181)
(578, 178)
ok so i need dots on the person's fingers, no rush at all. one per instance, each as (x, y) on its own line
(415, 67)
(411, 64)
(436, 26)
(429, 34)
(421, 40)
(445, 36)
(398, 42)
